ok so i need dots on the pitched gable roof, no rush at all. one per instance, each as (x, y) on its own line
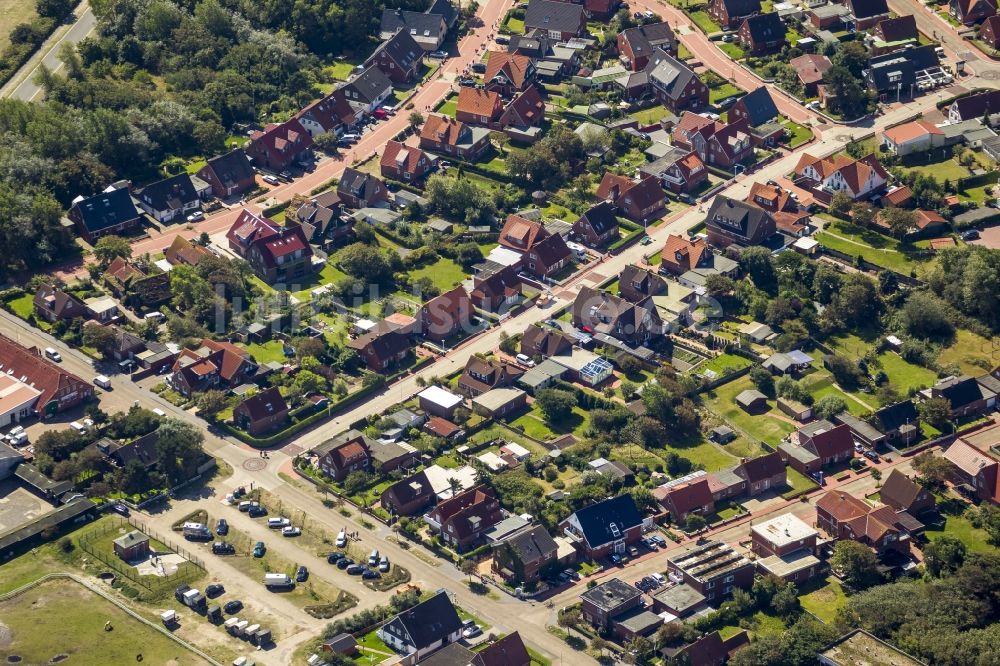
(760, 468)
(760, 106)
(512, 66)
(532, 544)
(741, 7)
(107, 209)
(867, 8)
(264, 404)
(601, 217)
(443, 129)
(644, 39)
(669, 75)
(968, 458)
(59, 302)
(684, 252)
(687, 497)
(765, 27)
(520, 233)
(369, 84)
(550, 15)
(401, 48)
(899, 490)
(827, 442)
(477, 101)
(842, 506)
(231, 167)
(429, 621)
(738, 217)
(507, 651)
(183, 251)
(37, 371)
(168, 194)
(811, 67)
(898, 29)
(527, 106)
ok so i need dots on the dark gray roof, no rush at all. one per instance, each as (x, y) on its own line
(868, 8)
(611, 594)
(445, 10)
(738, 217)
(961, 391)
(107, 209)
(168, 194)
(418, 24)
(429, 621)
(645, 38)
(232, 167)
(402, 48)
(759, 105)
(882, 69)
(975, 106)
(549, 15)
(607, 521)
(895, 416)
(601, 217)
(741, 7)
(455, 654)
(369, 84)
(668, 74)
(680, 598)
(766, 27)
(532, 544)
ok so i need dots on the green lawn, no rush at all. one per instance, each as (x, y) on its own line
(515, 25)
(23, 306)
(715, 95)
(328, 275)
(710, 455)
(961, 528)
(651, 115)
(823, 598)
(65, 618)
(704, 21)
(876, 248)
(194, 166)
(948, 169)
(267, 352)
(724, 364)
(444, 273)
(972, 353)
(798, 481)
(821, 385)
(682, 52)
(732, 50)
(341, 69)
(903, 375)
(762, 427)
(448, 108)
(799, 133)
(535, 424)
(13, 13)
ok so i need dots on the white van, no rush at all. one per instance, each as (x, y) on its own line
(53, 354)
(159, 412)
(79, 427)
(154, 316)
(277, 580)
(275, 523)
(373, 558)
(342, 539)
(103, 382)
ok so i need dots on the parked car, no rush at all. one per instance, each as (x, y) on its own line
(120, 509)
(259, 549)
(969, 235)
(871, 455)
(345, 562)
(468, 83)
(472, 632)
(278, 522)
(615, 559)
(341, 539)
(373, 558)
(214, 590)
(222, 527)
(53, 354)
(355, 570)
(196, 216)
(223, 548)
(479, 67)
(234, 606)
(301, 574)
(438, 55)
(383, 564)
(290, 531)
(257, 511)
(370, 574)
(285, 176)
(269, 179)
(333, 558)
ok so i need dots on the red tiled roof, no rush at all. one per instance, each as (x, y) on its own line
(46, 377)
(391, 156)
(683, 252)
(477, 101)
(811, 68)
(842, 506)
(520, 233)
(687, 497)
(513, 66)
(442, 129)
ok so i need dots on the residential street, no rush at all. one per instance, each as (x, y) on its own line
(276, 473)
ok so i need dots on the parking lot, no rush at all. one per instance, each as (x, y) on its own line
(19, 505)
(989, 237)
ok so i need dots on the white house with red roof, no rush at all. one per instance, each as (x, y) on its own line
(913, 137)
(856, 178)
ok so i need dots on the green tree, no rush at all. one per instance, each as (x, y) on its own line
(840, 204)
(936, 411)
(556, 404)
(415, 120)
(927, 317)
(179, 450)
(856, 562)
(763, 380)
(210, 403)
(101, 338)
(109, 248)
(944, 556)
(829, 406)
(934, 470)
(694, 522)
(900, 221)
(56, 9)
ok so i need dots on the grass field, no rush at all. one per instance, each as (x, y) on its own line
(23, 306)
(799, 133)
(821, 385)
(711, 456)
(704, 21)
(13, 13)
(724, 364)
(267, 352)
(903, 375)
(732, 50)
(535, 425)
(876, 248)
(823, 598)
(328, 275)
(65, 618)
(961, 528)
(973, 353)
(651, 115)
(715, 95)
(449, 108)
(763, 427)
(444, 273)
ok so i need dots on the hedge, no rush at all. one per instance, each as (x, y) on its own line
(15, 55)
(627, 240)
(274, 210)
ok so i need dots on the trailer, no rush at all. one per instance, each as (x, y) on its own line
(277, 580)
(230, 624)
(168, 617)
(262, 637)
(241, 627)
(251, 631)
(214, 614)
(196, 531)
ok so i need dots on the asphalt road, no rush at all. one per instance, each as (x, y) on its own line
(22, 85)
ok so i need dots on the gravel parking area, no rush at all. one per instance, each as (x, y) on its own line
(18, 505)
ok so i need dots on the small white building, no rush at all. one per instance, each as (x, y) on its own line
(439, 402)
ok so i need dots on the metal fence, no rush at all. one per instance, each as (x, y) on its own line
(151, 586)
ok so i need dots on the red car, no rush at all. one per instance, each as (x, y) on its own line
(380, 114)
